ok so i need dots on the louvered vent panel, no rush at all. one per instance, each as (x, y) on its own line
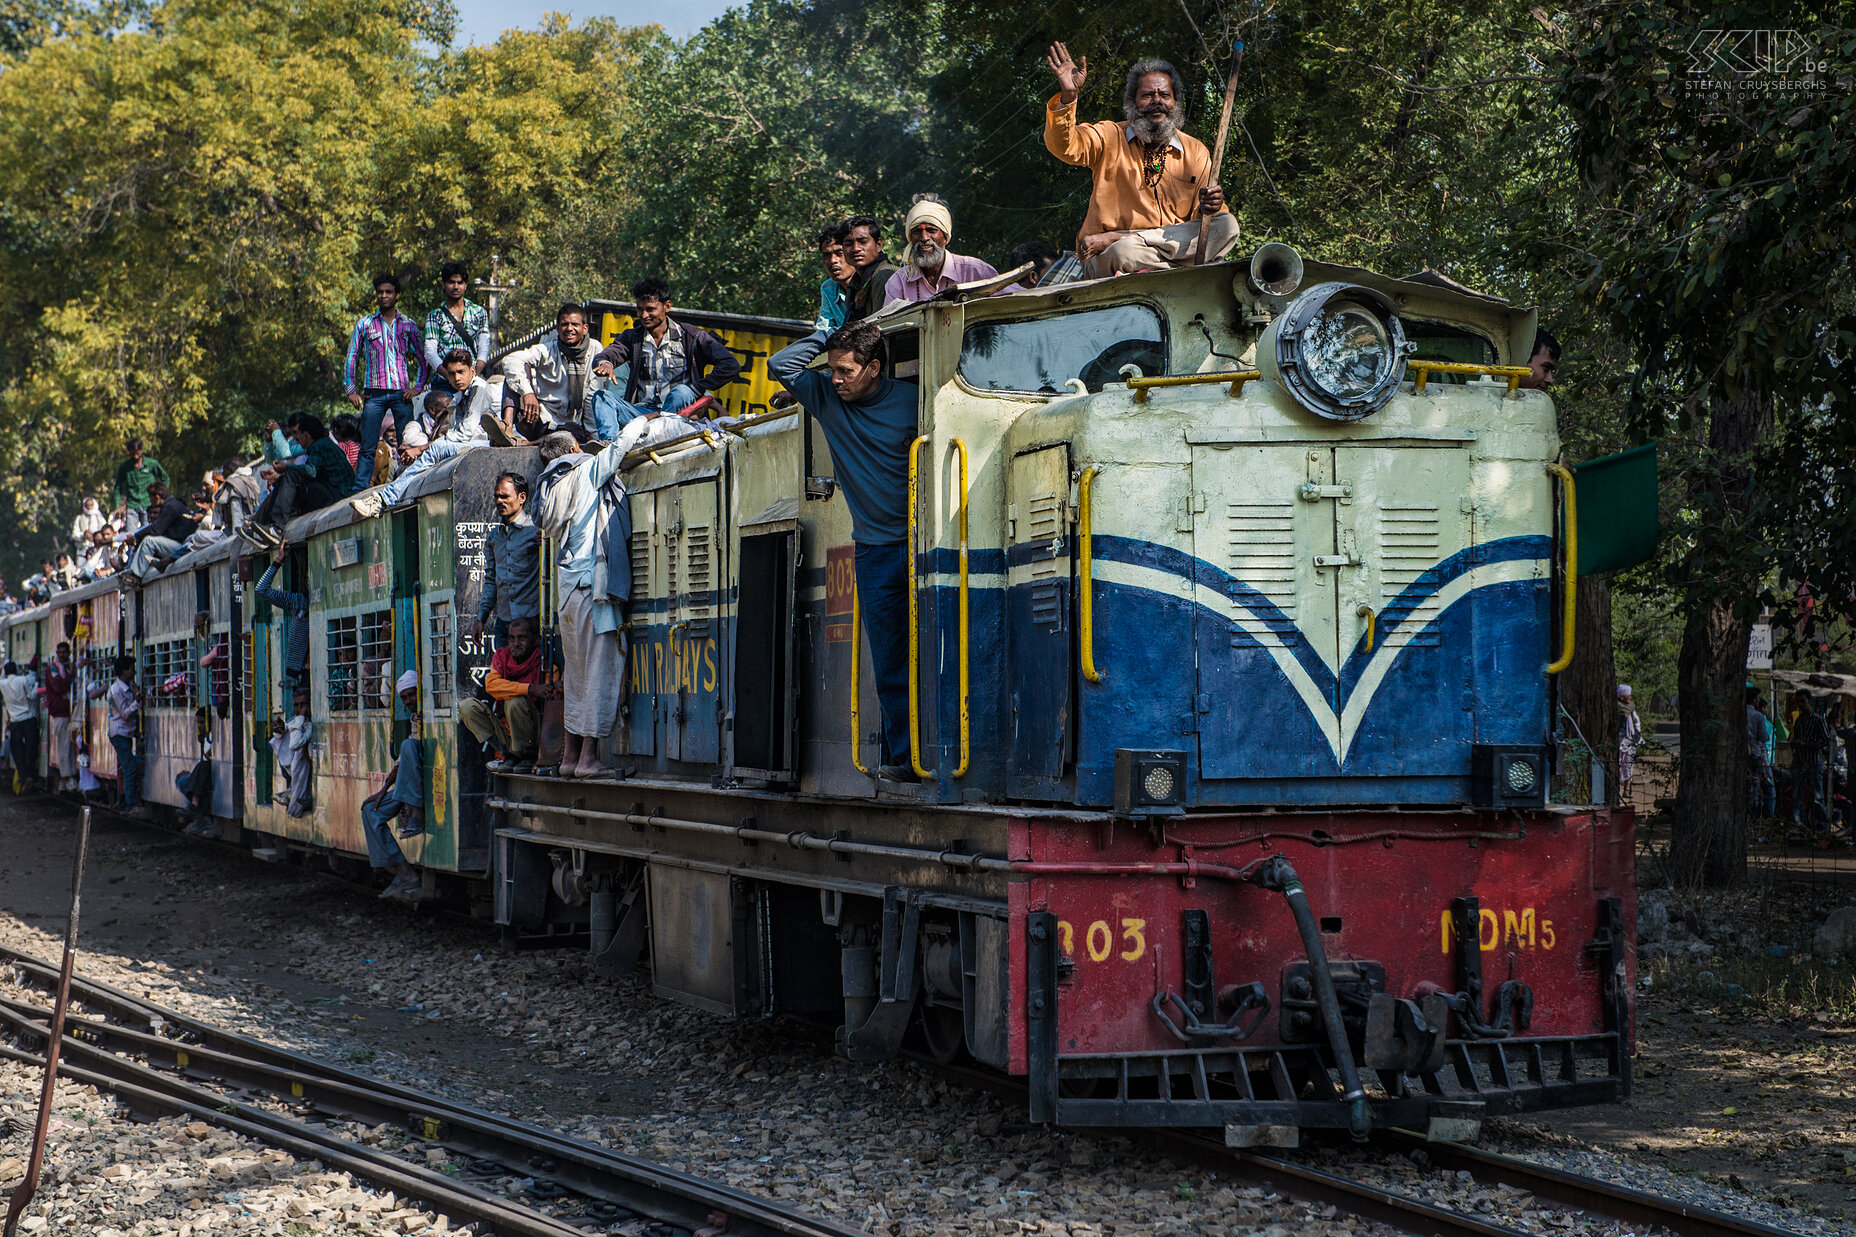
(640, 548)
(1409, 543)
(1260, 555)
(697, 579)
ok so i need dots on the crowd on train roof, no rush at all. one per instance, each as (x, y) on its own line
(421, 394)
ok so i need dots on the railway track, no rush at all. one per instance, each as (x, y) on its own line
(1596, 1200)
(178, 1054)
(172, 1043)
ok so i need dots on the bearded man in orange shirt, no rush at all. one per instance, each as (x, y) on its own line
(1152, 182)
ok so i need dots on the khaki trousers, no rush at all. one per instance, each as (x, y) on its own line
(1177, 244)
(514, 732)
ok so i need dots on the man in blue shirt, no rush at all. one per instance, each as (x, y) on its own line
(295, 609)
(511, 561)
(833, 301)
(869, 419)
(401, 795)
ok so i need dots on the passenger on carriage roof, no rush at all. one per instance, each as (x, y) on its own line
(674, 367)
(383, 370)
(869, 420)
(402, 795)
(548, 382)
(833, 300)
(863, 245)
(323, 477)
(511, 560)
(164, 537)
(1152, 182)
(931, 269)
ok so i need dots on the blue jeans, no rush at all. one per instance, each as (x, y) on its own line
(373, 412)
(611, 411)
(128, 771)
(383, 850)
(883, 598)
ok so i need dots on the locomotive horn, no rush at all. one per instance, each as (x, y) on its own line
(1276, 268)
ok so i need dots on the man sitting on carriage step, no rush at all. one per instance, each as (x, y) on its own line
(869, 421)
(1152, 182)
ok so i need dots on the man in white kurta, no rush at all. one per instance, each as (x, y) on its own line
(575, 496)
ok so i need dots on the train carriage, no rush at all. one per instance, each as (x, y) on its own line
(386, 595)
(182, 622)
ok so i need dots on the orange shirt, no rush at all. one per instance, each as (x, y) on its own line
(1120, 202)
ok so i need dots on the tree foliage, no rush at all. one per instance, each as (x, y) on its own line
(194, 208)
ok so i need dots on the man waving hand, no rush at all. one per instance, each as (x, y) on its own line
(1152, 182)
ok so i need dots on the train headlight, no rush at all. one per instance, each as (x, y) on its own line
(1149, 783)
(1338, 349)
(1507, 776)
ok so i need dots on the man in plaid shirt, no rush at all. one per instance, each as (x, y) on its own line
(385, 369)
(457, 323)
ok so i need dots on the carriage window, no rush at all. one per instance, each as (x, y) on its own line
(343, 690)
(377, 660)
(167, 676)
(219, 680)
(1043, 354)
(439, 646)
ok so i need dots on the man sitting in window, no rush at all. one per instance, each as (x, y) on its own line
(869, 420)
(516, 689)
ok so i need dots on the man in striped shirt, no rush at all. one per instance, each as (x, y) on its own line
(385, 368)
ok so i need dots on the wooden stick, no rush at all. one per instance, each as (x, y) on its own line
(54, 1037)
(1224, 132)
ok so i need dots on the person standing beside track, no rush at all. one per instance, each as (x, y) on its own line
(402, 795)
(60, 674)
(20, 688)
(869, 419)
(125, 710)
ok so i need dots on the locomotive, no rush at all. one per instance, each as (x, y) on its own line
(1239, 592)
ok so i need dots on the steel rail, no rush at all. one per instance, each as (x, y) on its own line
(153, 1094)
(1571, 1190)
(638, 1185)
(1589, 1194)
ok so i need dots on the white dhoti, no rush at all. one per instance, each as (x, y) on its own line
(295, 767)
(1174, 245)
(63, 751)
(593, 669)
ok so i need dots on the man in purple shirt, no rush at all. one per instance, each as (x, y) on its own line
(385, 369)
(931, 268)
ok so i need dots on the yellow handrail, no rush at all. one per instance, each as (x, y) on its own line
(1237, 379)
(1085, 486)
(966, 742)
(1570, 619)
(1366, 612)
(857, 639)
(915, 635)
(1513, 373)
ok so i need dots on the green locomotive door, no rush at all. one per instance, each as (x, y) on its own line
(691, 685)
(644, 627)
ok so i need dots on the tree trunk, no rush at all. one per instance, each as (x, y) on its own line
(1709, 842)
(1588, 689)
(1709, 845)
